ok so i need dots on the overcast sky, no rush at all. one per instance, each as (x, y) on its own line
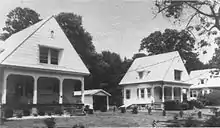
(116, 25)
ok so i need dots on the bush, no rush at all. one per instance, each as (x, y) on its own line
(212, 122)
(19, 115)
(90, 111)
(172, 105)
(58, 111)
(195, 103)
(8, 112)
(41, 112)
(135, 110)
(123, 109)
(184, 106)
(26, 112)
(50, 122)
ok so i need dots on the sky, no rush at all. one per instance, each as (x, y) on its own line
(116, 25)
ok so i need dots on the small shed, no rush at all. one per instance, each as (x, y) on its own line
(95, 98)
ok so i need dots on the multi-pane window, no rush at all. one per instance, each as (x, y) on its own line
(142, 93)
(177, 74)
(49, 55)
(141, 74)
(44, 54)
(128, 94)
(148, 92)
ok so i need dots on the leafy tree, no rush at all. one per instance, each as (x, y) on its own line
(19, 19)
(173, 40)
(138, 55)
(204, 12)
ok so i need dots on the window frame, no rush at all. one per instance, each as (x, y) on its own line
(128, 94)
(49, 56)
(177, 75)
(142, 93)
(149, 93)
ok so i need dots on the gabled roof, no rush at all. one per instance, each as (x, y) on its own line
(212, 80)
(156, 68)
(22, 48)
(91, 92)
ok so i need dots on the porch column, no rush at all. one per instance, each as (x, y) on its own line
(107, 100)
(4, 88)
(172, 93)
(61, 91)
(82, 90)
(181, 94)
(162, 93)
(152, 94)
(35, 90)
(188, 94)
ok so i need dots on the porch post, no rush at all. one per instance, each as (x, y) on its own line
(107, 99)
(181, 94)
(35, 90)
(4, 88)
(188, 94)
(152, 93)
(61, 91)
(163, 93)
(172, 95)
(82, 90)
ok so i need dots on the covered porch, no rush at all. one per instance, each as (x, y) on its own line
(40, 88)
(169, 92)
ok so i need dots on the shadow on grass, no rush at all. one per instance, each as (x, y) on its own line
(183, 123)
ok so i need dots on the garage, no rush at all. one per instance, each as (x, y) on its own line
(97, 99)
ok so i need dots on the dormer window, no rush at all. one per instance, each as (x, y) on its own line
(177, 75)
(141, 74)
(48, 55)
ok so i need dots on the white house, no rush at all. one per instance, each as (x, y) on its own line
(155, 79)
(95, 98)
(39, 66)
(204, 81)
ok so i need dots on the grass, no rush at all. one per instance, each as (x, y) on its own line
(102, 119)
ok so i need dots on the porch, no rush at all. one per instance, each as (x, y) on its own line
(38, 89)
(166, 93)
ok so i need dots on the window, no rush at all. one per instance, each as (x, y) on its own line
(137, 92)
(54, 56)
(142, 93)
(128, 94)
(194, 93)
(177, 74)
(148, 92)
(49, 55)
(202, 81)
(141, 74)
(44, 55)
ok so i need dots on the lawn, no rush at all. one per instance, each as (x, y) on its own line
(101, 119)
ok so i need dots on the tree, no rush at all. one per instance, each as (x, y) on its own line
(173, 40)
(19, 19)
(205, 12)
(138, 55)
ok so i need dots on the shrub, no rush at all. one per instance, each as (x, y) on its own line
(184, 106)
(26, 112)
(86, 109)
(58, 111)
(50, 122)
(41, 112)
(172, 105)
(78, 126)
(181, 113)
(8, 112)
(213, 98)
(90, 111)
(195, 103)
(212, 122)
(123, 109)
(19, 115)
(135, 110)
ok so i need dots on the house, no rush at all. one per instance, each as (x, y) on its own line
(204, 81)
(39, 66)
(95, 98)
(155, 79)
